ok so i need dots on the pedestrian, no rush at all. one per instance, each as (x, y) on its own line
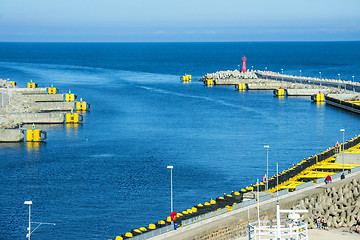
(318, 223)
(324, 223)
(342, 176)
(328, 179)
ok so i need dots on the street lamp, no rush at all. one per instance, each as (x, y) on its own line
(29, 203)
(171, 187)
(267, 167)
(339, 75)
(282, 73)
(300, 73)
(238, 67)
(252, 68)
(343, 146)
(353, 78)
(320, 75)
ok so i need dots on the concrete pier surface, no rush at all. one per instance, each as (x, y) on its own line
(28, 91)
(11, 135)
(49, 106)
(232, 224)
(22, 118)
(45, 98)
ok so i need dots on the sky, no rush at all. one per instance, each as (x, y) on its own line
(178, 20)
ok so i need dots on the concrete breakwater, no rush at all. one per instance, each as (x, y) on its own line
(305, 175)
(321, 199)
(35, 105)
(260, 80)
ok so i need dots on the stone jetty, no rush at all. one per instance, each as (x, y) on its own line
(294, 85)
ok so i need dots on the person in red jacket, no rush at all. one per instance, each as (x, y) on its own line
(328, 179)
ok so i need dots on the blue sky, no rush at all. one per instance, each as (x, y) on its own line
(179, 20)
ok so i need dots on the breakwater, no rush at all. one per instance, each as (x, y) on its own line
(34, 105)
(298, 177)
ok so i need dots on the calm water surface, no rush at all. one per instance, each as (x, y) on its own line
(108, 175)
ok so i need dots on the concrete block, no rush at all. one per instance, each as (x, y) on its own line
(11, 135)
(55, 117)
(28, 91)
(303, 92)
(50, 106)
(46, 98)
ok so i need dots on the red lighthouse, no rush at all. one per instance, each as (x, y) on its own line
(244, 64)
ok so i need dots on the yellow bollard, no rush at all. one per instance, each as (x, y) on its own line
(240, 87)
(82, 106)
(280, 92)
(12, 83)
(69, 97)
(209, 82)
(320, 97)
(31, 85)
(52, 90)
(35, 135)
(73, 118)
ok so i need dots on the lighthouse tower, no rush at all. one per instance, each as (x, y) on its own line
(244, 64)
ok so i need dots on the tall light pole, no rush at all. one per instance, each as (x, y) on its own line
(29, 203)
(238, 67)
(339, 75)
(282, 73)
(252, 68)
(320, 75)
(29, 228)
(171, 187)
(353, 78)
(300, 73)
(343, 146)
(267, 167)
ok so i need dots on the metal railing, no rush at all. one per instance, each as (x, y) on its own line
(267, 229)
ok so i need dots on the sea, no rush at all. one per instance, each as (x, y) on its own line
(109, 175)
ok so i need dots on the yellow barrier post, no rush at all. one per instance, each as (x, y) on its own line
(69, 97)
(35, 135)
(280, 92)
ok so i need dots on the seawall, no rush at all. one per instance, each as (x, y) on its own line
(319, 199)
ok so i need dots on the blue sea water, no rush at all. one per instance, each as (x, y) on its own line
(108, 175)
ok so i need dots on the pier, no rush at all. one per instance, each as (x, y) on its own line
(33, 105)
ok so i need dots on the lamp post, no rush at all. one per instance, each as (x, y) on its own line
(353, 78)
(171, 187)
(320, 75)
(252, 68)
(300, 73)
(339, 75)
(282, 73)
(343, 146)
(267, 167)
(238, 67)
(29, 203)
